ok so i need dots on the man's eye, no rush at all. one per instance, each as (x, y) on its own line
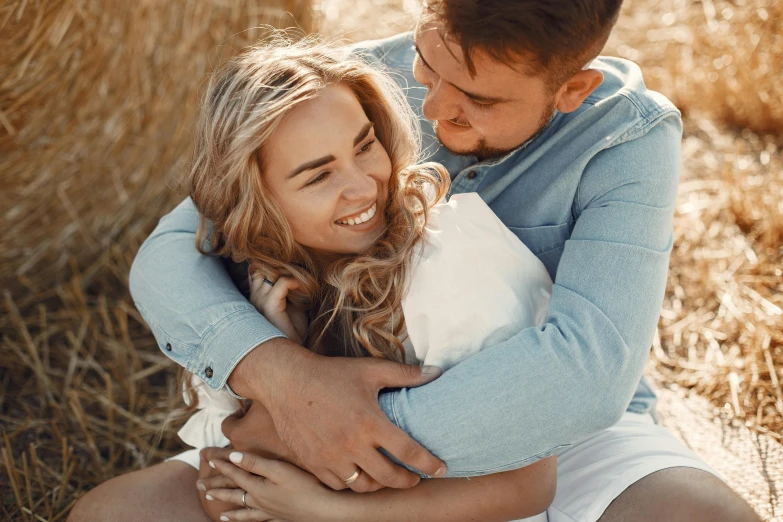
(319, 178)
(479, 105)
(421, 60)
(367, 146)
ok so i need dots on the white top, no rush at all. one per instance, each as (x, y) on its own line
(474, 284)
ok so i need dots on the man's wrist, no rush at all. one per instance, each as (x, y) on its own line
(265, 366)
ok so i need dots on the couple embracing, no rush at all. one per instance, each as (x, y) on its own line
(370, 337)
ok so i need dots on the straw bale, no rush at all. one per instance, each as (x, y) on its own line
(96, 106)
(721, 328)
(97, 99)
(717, 56)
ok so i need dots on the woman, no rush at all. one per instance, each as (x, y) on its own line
(303, 171)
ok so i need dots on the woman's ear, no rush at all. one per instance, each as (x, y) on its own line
(577, 89)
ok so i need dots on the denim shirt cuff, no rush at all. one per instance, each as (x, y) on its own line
(227, 342)
(386, 402)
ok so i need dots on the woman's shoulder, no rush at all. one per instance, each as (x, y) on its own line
(466, 209)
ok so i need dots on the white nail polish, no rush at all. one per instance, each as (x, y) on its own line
(211, 464)
(209, 497)
(224, 518)
(235, 457)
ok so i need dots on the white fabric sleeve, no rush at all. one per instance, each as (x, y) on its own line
(205, 427)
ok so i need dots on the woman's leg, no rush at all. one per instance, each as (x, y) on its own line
(166, 491)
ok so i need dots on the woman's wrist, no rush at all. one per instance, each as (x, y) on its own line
(340, 506)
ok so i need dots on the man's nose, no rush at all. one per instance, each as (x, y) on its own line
(440, 102)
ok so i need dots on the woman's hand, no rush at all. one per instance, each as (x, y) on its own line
(272, 301)
(275, 490)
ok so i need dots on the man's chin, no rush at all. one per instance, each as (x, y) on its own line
(453, 145)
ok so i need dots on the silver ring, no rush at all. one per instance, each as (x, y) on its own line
(267, 281)
(353, 478)
(244, 501)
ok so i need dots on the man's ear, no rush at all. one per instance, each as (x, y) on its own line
(577, 89)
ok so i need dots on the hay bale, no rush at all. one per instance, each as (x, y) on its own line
(97, 99)
(716, 56)
(96, 106)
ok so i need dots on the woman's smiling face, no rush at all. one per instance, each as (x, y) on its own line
(329, 173)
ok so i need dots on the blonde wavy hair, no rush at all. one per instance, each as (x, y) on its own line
(355, 302)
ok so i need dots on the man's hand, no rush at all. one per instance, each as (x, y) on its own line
(254, 432)
(325, 412)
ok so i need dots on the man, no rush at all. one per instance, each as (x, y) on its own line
(581, 162)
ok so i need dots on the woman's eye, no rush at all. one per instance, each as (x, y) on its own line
(319, 178)
(367, 146)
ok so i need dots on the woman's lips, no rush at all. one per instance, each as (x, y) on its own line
(360, 217)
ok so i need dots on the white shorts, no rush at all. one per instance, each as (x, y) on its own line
(592, 473)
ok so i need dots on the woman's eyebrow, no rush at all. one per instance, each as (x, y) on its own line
(362, 133)
(320, 162)
(310, 165)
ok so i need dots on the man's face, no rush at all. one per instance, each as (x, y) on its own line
(487, 115)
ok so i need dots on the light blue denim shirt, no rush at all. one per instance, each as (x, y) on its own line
(592, 196)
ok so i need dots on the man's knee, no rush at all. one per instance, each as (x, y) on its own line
(679, 494)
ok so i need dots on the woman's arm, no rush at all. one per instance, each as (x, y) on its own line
(499, 497)
(289, 493)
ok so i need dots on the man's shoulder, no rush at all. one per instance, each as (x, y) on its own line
(394, 52)
(624, 85)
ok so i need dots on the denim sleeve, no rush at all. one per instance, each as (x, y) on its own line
(195, 311)
(552, 386)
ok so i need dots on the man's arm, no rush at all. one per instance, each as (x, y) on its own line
(552, 386)
(197, 314)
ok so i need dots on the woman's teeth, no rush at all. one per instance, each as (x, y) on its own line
(358, 220)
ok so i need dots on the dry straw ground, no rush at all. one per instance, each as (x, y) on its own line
(96, 103)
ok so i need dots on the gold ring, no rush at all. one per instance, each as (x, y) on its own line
(244, 500)
(353, 478)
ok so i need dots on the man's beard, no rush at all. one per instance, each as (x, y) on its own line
(483, 151)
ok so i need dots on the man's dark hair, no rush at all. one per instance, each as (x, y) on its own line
(555, 37)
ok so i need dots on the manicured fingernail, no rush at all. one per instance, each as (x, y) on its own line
(224, 518)
(235, 457)
(211, 464)
(200, 485)
(441, 471)
(209, 497)
(430, 370)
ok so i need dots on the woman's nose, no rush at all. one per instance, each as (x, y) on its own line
(360, 184)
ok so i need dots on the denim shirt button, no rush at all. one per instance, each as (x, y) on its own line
(208, 372)
(471, 174)
(168, 347)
